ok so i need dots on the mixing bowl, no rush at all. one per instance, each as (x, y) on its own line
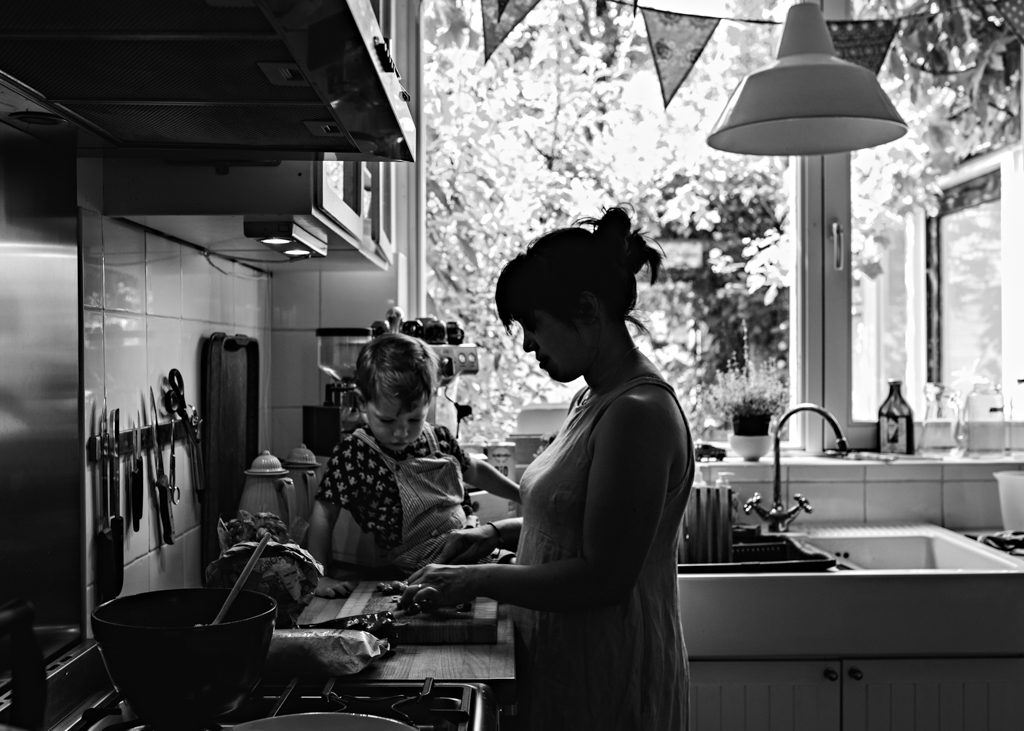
(175, 669)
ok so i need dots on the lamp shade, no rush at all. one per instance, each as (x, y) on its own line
(808, 101)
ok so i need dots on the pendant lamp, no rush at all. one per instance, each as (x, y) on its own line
(808, 101)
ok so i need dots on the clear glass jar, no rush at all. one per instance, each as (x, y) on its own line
(941, 418)
(983, 423)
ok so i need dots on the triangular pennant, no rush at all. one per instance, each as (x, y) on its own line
(863, 42)
(1013, 13)
(676, 43)
(499, 20)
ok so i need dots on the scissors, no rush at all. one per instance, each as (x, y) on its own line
(174, 401)
(163, 488)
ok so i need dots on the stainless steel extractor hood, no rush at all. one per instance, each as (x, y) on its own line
(283, 79)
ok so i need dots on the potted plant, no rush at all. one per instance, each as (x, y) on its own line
(748, 397)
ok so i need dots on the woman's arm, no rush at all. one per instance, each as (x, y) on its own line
(483, 476)
(640, 448)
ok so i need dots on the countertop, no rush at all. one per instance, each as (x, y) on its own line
(493, 664)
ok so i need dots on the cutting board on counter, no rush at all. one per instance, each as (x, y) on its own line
(230, 429)
(479, 625)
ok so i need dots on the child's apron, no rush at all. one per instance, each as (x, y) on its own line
(431, 491)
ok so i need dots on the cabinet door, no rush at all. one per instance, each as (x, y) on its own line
(984, 694)
(764, 696)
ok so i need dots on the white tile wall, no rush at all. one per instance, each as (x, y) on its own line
(148, 304)
(960, 494)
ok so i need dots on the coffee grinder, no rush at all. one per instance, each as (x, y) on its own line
(337, 349)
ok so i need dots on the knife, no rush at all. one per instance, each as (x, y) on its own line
(116, 521)
(104, 540)
(136, 479)
(160, 484)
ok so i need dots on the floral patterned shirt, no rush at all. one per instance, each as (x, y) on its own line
(358, 479)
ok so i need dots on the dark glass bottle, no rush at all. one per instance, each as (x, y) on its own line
(895, 422)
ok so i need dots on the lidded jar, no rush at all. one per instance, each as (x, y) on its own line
(303, 467)
(269, 489)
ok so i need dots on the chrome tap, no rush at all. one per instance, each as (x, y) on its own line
(778, 517)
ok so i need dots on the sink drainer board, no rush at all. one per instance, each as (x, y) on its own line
(766, 553)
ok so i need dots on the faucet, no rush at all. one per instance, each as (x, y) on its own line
(778, 517)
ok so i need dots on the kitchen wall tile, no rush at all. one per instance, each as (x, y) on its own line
(226, 277)
(91, 236)
(750, 472)
(918, 502)
(136, 576)
(293, 363)
(968, 505)
(893, 471)
(356, 299)
(287, 430)
(124, 266)
(193, 336)
(251, 299)
(200, 291)
(838, 472)
(163, 352)
(163, 276)
(982, 470)
(167, 567)
(124, 357)
(296, 300)
(832, 501)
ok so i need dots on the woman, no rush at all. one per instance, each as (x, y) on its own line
(596, 611)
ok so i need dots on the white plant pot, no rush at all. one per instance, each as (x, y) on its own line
(750, 449)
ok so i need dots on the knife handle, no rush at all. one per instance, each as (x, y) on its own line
(163, 502)
(136, 494)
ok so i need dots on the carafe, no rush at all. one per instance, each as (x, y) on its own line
(983, 424)
(941, 418)
(304, 470)
(268, 489)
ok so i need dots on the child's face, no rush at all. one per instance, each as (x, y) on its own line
(393, 428)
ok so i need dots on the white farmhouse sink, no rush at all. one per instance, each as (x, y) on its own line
(900, 548)
(914, 591)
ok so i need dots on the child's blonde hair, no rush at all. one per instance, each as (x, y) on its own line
(399, 367)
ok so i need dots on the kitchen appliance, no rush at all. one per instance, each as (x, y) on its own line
(177, 670)
(337, 349)
(437, 706)
(217, 78)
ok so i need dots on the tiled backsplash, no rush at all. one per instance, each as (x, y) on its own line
(148, 305)
(960, 494)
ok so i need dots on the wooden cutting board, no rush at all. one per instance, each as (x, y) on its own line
(479, 625)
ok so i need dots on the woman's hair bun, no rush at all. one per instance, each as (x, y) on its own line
(614, 226)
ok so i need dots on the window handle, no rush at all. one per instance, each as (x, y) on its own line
(837, 246)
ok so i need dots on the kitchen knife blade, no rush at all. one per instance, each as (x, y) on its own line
(105, 576)
(160, 484)
(116, 521)
(136, 479)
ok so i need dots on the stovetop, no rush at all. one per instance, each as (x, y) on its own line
(438, 706)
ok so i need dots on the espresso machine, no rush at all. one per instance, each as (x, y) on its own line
(337, 349)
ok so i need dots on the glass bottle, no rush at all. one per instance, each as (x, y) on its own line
(895, 422)
(1015, 422)
(941, 417)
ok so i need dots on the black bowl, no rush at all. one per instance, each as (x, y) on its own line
(173, 673)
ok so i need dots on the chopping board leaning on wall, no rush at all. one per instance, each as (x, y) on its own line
(230, 408)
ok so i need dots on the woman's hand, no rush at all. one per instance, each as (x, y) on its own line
(469, 545)
(439, 586)
(333, 588)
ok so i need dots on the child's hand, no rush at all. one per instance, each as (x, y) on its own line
(468, 545)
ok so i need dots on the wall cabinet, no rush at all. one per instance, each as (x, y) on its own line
(952, 694)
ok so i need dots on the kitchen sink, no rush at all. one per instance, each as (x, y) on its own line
(909, 590)
(903, 548)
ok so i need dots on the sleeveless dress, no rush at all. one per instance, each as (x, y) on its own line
(617, 668)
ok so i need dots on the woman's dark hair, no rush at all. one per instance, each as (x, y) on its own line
(602, 256)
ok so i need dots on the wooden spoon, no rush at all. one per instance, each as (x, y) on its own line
(242, 578)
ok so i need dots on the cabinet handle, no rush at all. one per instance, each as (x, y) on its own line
(856, 674)
(831, 674)
(837, 246)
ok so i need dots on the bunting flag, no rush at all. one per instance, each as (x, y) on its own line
(863, 42)
(677, 41)
(1012, 12)
(500, 17)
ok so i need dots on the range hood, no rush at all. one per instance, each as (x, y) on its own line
(281, 79)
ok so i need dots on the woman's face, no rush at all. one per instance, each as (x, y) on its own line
(393, 428)
(560, 347)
